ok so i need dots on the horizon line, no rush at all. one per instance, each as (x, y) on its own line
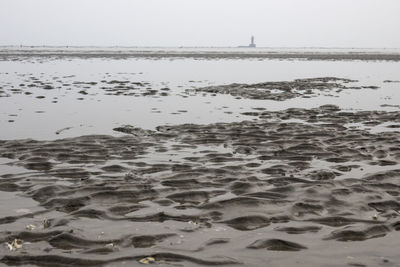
(154, 46)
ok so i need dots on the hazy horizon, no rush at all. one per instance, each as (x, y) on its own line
(171, 46)
(206, 23)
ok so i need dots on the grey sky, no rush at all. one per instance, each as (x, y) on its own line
(327, 23)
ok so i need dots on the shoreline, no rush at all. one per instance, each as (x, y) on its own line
(87, 54)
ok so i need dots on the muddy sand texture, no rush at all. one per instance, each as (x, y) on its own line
(254, 192)
(284, 90)
(22, 54)
(278, 91)
(33, 85)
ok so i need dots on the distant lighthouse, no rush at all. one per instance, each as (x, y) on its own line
(252, 44)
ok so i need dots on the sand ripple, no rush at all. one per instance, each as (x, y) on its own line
(214, 194)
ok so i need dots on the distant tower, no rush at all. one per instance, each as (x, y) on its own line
(252, 44)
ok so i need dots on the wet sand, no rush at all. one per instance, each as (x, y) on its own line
(207, 56)
(9, 53)
(299, 186)
(280, 91)
(189, 193)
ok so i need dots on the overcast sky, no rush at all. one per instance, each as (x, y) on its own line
(277, 23)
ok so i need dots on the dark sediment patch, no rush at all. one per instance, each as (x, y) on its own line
(194, 196)
(276, 244)
(114, 168)
(385, 205)
(280, 91)
(69, 241)
(55, 260)
(359, 235)
(299, 230)
(337, 221)
(248, 222)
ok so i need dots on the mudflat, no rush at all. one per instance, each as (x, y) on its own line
(308, 186)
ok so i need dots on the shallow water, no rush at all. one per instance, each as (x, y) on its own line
(25, 116)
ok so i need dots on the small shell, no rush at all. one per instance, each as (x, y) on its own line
(10, 247)
(17, 243)
(147, 260)
(31, 227)
(110, 245)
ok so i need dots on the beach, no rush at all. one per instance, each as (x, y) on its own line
(196, 157)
